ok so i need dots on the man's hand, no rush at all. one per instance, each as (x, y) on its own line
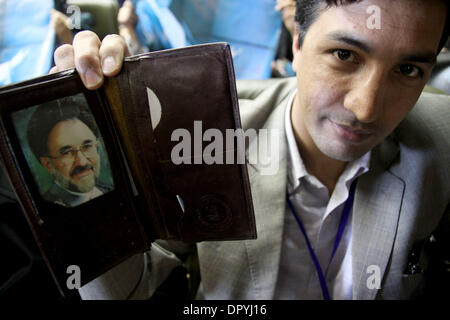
(92, 58)
(127, 16)
(61, 24)
(287, 8)
(127, 20)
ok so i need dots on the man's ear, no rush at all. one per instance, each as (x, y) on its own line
(45, 161)
(295, 50)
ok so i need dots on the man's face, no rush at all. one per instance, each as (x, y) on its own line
(74, 170)
(355, 84)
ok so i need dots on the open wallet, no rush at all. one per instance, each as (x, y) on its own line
(102, 174)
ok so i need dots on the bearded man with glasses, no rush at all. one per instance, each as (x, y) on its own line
(64, 137)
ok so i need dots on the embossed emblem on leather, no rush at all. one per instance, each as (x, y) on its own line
(213, 210)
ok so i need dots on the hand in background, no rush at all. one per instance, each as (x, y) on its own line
(127, 16)
(61, 24)
(287, 8)
(127, 20)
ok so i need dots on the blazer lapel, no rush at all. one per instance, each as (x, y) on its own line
(268, 186)
(376, 212)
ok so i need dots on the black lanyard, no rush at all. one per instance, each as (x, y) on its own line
(337, 240)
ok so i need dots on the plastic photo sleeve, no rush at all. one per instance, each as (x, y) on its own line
(64, 150)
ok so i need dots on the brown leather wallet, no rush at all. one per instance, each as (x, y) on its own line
(150, 155)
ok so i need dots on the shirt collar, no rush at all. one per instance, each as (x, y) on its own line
(83, 195)
(296, 166)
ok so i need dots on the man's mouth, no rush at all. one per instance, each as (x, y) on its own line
(351, 133)
(80, 172)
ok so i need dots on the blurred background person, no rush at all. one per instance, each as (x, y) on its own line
(287, 8)
(282, 64)
(62, 26)
(251, 27)
(127, 20)
(26, 41)
(30, 31)
(440, 77)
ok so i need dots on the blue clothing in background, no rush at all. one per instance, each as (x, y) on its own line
(26, 39)
(251, 27)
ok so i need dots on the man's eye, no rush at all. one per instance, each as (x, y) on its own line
(87, 146)
(344, 55)
(410, 71)
(66, 152)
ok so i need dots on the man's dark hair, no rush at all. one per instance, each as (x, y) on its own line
(48, 114)
(307, 12)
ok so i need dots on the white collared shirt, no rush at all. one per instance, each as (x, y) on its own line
(320, 215)
(81, 197)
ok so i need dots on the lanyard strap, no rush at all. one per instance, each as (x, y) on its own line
(337, 240)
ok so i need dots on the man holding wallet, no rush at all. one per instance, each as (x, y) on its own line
(358, 207)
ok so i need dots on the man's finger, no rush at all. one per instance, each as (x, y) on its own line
(86, 46)
(53, 70)
(112, 52)
(63, 57)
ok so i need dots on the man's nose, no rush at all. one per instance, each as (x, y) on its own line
(80, 158)
(367, 95)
